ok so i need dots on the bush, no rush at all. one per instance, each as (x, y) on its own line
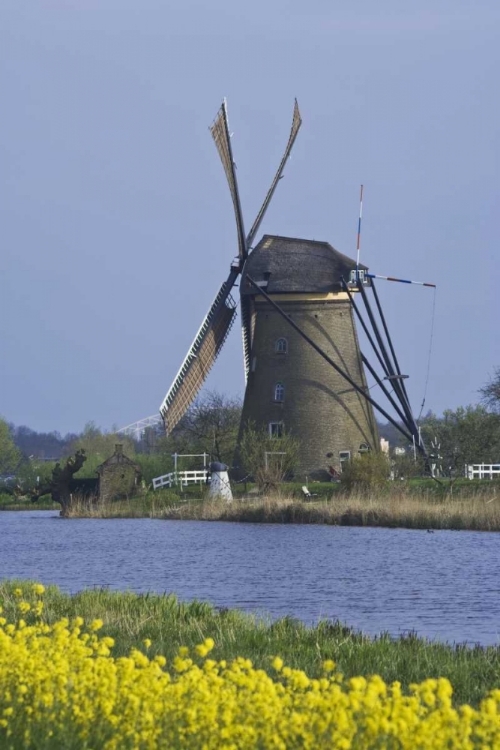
(366, 471)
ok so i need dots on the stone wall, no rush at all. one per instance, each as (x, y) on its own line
(117, 480)
(320, 408)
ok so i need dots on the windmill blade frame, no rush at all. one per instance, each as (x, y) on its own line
(296, 123)
(222, 138)
(245, 305)
(201, 355)
(220, 317)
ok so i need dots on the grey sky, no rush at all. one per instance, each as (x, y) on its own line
(116, 222)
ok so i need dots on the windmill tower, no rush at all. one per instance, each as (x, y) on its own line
(290, 387)
(303, 366)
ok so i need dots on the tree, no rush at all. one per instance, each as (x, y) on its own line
(58, 486)
(98, 446)
(9, 454)
(490, 393)
(210, 426)
(465, 436)
(269, 459)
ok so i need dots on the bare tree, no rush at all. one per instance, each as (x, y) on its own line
(210, 426)
(490, 393)
(269, 459)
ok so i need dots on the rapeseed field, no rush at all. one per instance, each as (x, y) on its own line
(61, 686)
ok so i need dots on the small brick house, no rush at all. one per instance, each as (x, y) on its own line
(118, 476)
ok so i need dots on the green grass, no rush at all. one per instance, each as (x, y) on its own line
(10, 502)
(169, 623)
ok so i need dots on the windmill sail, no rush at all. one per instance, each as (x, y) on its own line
(246, 311)
(201, 355)
(220, 317)
(296, 123)
(222, 138)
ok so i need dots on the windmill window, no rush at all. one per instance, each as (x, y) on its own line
(345, 457)
(364, 448)
(281, 346)
(279, 392)
(276, 429)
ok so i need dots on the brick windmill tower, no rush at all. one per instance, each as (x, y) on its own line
(289, 386)
(303, 366)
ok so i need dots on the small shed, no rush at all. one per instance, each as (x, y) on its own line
(118, 476)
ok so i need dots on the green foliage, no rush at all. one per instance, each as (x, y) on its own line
(154, 465)
(467, 435)
(366, 471)
(268, 459)
(9, 454)
(408, 466)
(99, 446)
(33, 472)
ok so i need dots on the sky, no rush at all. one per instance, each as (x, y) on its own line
(116, 223)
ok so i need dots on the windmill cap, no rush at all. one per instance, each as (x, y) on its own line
(217, 466)
(289, 264)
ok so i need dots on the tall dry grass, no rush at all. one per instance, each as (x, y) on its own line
(480, 511)
(402, 507)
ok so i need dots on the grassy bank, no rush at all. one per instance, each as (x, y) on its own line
(420, 506)
(10, 502)
(403, 509)
(130, 619)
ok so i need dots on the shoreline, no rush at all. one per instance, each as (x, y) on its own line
(479, 512)
(475, 510)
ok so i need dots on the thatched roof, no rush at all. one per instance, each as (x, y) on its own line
(295, 265)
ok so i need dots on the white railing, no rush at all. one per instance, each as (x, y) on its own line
(482, 471)
(181, 478)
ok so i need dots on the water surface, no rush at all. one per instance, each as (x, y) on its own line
(443, 585)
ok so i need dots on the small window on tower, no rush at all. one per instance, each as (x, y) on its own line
(276, 429)
(279, 392)
(281, 346)
(364, 448)
(345, 457)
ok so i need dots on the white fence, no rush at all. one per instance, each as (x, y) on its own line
(482, 471)
(181, 478)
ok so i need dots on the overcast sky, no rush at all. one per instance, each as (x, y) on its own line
(115, 218)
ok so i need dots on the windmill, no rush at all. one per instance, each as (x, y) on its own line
(219, 319)
(297, 301)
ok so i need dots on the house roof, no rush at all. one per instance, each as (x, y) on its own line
(290, 264)
(118, 457)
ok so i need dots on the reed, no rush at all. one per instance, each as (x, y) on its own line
(475, 509)
(130, 618)
(398, 508)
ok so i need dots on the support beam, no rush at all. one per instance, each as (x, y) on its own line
(330, 361)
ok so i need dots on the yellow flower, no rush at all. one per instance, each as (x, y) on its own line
(96, 625)
(277, 663)
(38, 589)
(202, 649)
(328, 665)
(147, 642)
(18, 592)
